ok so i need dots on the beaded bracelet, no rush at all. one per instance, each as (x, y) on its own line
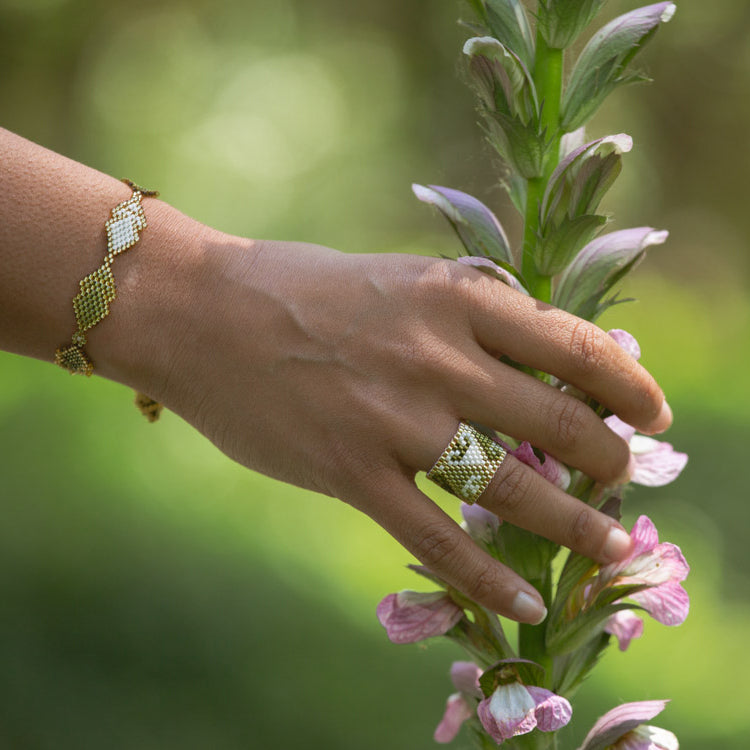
(98, 290)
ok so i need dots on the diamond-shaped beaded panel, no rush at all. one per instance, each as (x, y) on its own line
(468, 464)
(123, 227)
(91, 304)
(74, 359)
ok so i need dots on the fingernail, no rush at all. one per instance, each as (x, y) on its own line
(528, 608)
(627, 475)
(618, 544)
(664, 420)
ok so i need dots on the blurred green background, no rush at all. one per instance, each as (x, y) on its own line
(155, 595)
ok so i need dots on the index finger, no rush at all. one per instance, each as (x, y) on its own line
(576, 351)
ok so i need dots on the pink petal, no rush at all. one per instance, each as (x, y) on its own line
(552, 470)
(457, 711)
(668, 604)
(645, 536)
(507, 712)
(656, 463)
(625, 431)
(617, 722)
(648, 738)
(480, 522)
(465, 676)
(411, 616)
(552, 711)
(663, 563)
(627, 341)
(625, 626)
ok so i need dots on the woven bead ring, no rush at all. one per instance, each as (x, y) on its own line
(468, 464)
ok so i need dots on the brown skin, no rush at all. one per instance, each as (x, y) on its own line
(343, 374)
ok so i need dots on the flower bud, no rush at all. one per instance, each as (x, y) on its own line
(604, 61)
(598, 267)
(571, 199)
(620, 722)
(507, 21)
(508, 102)
(476, 226)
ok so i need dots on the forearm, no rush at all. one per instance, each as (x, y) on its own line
(52, 215)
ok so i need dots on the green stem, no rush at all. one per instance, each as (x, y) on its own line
(531, 638)
(548, 70)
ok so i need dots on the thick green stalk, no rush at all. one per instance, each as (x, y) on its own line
(548, 70)
(531, 643)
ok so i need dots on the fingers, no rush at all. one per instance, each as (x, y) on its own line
(574, 350)
(440, 544)
(518, 404)
(521, 496)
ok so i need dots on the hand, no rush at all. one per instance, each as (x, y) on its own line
(347, 374)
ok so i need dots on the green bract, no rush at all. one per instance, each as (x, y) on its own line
(561, 21)
(599, 266)
(476, 226)
(508, 102)
(568, 218)
(506, 20)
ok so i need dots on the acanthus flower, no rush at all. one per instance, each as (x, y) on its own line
(659, 567)
(625, 626)
(410, 616)
(622, 728)
(461, 705)
(515, 708)
(655, 463)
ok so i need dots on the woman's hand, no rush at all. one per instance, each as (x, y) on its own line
(347, 374)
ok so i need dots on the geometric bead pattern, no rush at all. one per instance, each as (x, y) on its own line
(124, 225)
(97, 290)
(468, 464)
(74, 359)
(91, 304)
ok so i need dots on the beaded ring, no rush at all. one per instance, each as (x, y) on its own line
(468, 464)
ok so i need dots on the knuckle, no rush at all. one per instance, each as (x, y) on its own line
(587, 346)
(442, 279)
(509, 487)
(481, 586)
(569, 419)
(434, 545)
(580, 530)
(345, 466)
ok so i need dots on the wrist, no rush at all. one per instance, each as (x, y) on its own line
(161, 299)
